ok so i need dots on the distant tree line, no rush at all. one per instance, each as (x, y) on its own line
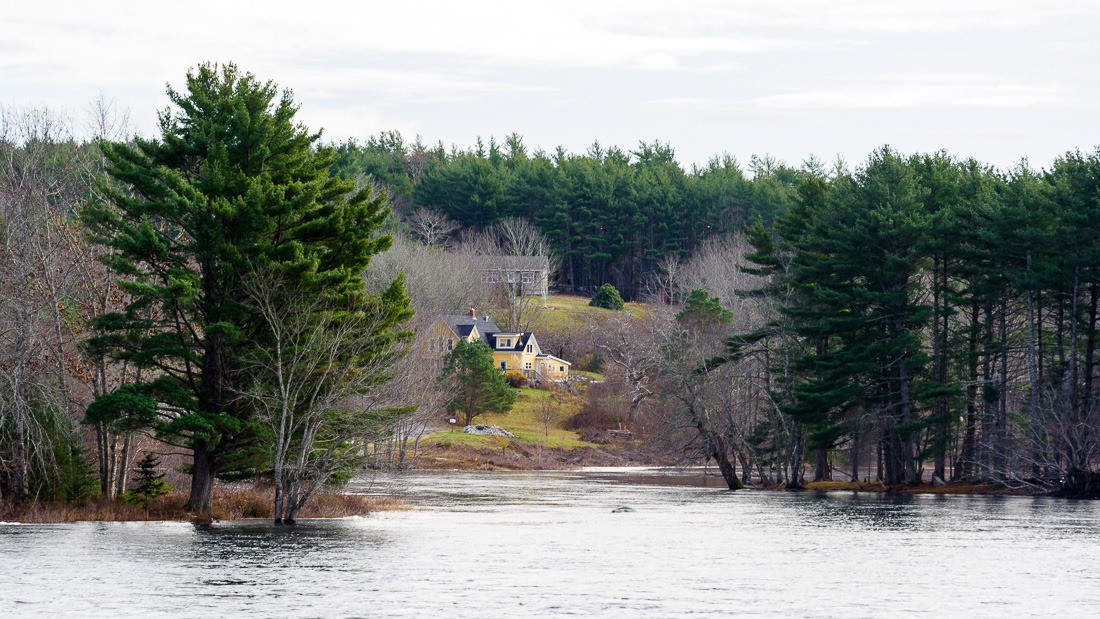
(611, 216)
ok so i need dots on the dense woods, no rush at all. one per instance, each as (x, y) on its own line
(919, 313)
(917, 317)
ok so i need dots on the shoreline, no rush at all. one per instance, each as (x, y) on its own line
(240, 502)
(234, 503)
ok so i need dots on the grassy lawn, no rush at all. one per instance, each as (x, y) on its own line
(570, 311)
(524, 420)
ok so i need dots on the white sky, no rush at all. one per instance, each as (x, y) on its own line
(994, 79)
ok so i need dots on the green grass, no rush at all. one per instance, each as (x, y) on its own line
(572, 312)
(524, 420)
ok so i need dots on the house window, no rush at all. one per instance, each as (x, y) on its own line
(561, 368)
(527, 365)
(505, 343)
(450, 344)
(511, 278)
(504, 365)
(528, 277)
(529, 348)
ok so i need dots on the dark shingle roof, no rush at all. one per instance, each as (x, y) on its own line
(520, 342)
(462, 325)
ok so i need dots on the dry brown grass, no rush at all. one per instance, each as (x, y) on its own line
(235, 503)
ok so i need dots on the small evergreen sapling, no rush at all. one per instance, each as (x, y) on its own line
(150, 484)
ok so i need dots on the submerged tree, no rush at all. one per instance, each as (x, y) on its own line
(233, 184)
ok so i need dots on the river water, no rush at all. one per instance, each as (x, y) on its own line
(559, 543)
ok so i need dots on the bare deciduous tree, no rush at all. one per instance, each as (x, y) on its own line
(432, 227)
(521, 264)
(41, 185)
(314, 385)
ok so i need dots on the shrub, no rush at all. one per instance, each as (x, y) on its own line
(515, 379)
(591, 362)
(607, 297)
(599, 412)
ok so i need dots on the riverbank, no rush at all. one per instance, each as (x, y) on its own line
(514, 455)
(235, 503)
(924, 488)
(520, 456)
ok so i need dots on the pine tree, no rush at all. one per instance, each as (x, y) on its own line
(607, 297)
(479, 386)
(232, 185)
(149, 484)
(858, 264)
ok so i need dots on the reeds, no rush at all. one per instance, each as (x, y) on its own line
(232, 503)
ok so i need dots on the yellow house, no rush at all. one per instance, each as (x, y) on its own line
(511, 351)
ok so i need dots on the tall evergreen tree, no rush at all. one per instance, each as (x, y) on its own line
(232, 185)
(859, 263)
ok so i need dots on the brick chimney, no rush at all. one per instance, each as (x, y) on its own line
(473, 313)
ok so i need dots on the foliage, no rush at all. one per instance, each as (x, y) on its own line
(701, 308)
(479, 386)
(607, 297)
(148, 485)
(515, 379)
(232, 185)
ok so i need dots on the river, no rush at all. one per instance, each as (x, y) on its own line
(560, 544)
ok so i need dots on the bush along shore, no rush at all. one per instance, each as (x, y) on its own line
(234, 503)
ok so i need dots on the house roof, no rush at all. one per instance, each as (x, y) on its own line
(521, 340)
(517, 263)
(462, 325)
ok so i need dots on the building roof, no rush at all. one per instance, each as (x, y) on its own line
(463, 325)
(517, 263)
(521, 340)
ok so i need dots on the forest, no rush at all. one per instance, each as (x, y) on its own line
(918, 312)
(911, 317)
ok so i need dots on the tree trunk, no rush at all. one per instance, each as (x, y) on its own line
(1037, 431)
(720, 454)
(202, 480)
(822, 470)
(123, 467)
(964, 466)
(905, 442)
(939, 355)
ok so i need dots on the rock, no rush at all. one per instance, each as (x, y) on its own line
(936, 482)
(622, 508)
(488, 430)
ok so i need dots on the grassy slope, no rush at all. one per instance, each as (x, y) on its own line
(559, 313)
(524, 420)
(572, 312)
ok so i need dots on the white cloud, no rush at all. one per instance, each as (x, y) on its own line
(923, 90)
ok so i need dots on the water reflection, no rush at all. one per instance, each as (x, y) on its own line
(552, 543)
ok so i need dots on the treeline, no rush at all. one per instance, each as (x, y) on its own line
(931, 313)
(611, 216)
(921, 312)
(201, 292)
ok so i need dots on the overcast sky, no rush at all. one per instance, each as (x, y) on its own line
(993, 79)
